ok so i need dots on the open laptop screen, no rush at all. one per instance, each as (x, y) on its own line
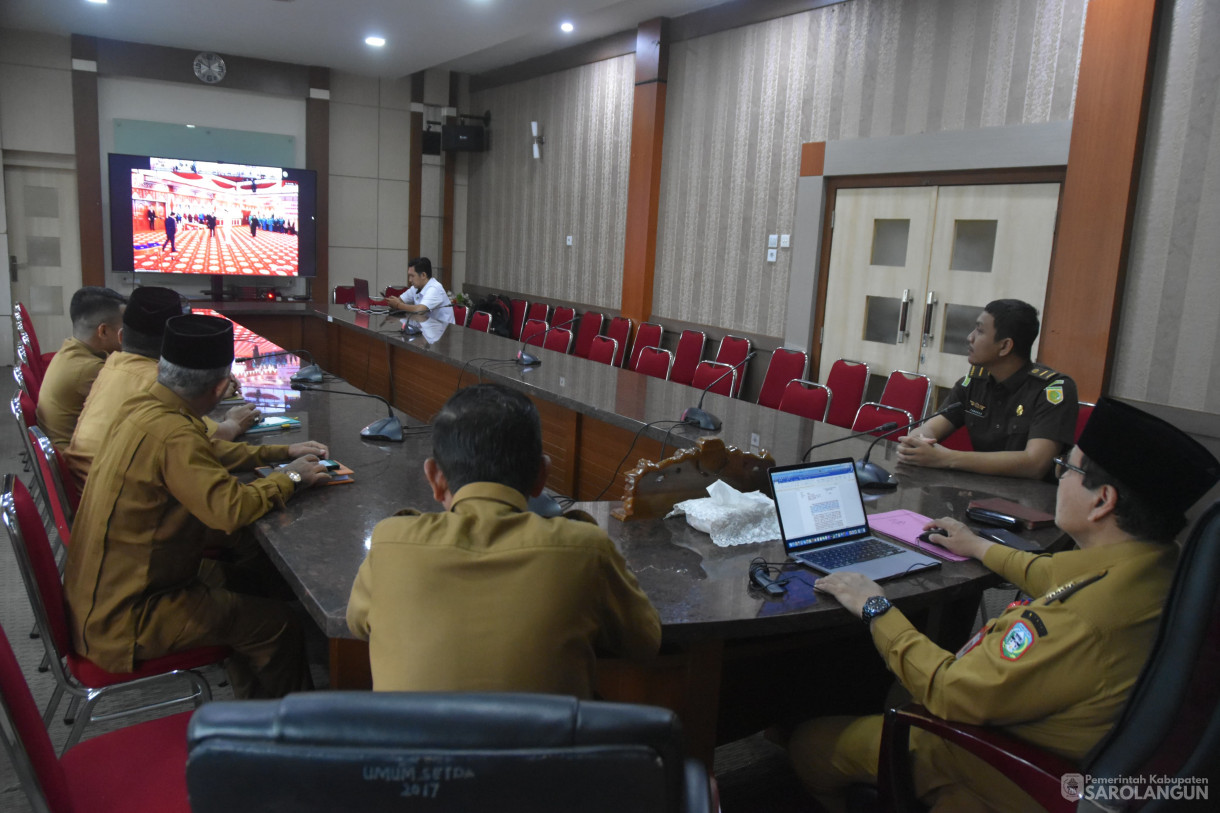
(818, 503)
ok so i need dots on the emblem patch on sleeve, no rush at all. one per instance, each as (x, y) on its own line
(1017, 641)
(1054, 392)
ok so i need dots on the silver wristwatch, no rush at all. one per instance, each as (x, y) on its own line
(875, 606)
(295, 477)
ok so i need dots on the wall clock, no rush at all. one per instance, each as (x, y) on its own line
(209, 67)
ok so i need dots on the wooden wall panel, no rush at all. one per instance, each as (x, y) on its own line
(364, 362)
(602, 446)
(285, 331)
(559, 433)
(421, 384)
(315, 335)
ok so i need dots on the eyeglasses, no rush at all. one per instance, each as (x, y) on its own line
(1062, 467)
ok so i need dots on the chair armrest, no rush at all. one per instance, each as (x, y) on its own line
(1035, 771)
(698, 789)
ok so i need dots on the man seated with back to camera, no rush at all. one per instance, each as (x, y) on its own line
(486, 595)
(1020, 415)
(1054, 670)
(425, 295)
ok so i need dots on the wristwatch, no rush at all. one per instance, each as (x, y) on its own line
(295, 477)
(875, 606)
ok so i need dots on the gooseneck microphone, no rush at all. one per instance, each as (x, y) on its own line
(527, 360)
(389, 428)
(695, 416)
(884, 429)
(870, 475)
(310, 374)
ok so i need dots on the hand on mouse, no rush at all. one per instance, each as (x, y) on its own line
(956, 537)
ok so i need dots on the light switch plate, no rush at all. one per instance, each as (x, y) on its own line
(771, 255)
(785, 240)
(569, 239)
(772, 240)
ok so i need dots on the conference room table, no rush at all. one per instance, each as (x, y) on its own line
(710, 615)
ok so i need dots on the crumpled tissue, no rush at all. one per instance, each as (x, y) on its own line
(731, 517)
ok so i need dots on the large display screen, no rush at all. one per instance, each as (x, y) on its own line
(178, 216)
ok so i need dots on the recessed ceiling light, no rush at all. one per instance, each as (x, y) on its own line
(566, 27)
(99, 2)
(189, 126)
(376, 42)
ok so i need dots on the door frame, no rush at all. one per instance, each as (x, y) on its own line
(983, 177)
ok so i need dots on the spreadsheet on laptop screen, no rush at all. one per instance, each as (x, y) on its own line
(819, 504)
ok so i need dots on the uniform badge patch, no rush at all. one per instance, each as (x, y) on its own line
(1054, 392)
(1020, 410)
(1017, 641)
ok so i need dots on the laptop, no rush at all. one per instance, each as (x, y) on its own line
(360, 294)
(824, 527)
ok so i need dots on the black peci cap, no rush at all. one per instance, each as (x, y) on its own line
(149, 308)
(198, 342)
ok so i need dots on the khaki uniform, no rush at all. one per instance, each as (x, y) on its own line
(490, 597)
(67, 383)
(1055, 672)
(159, 493)
(1001, 416)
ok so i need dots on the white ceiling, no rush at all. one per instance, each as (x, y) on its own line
(471, 36)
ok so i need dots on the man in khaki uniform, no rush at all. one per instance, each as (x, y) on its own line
(1054, 671)
(488, 596)
(133, 370)
(97, 327)
(157, 496)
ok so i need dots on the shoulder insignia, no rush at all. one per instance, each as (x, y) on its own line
(1033, 618)
(1062, 594)
(1020, 410)
(1017, 641)
(1045, 373)
(1054, 392)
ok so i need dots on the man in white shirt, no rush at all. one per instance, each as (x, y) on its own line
(426, 296)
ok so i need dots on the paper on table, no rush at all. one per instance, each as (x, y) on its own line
(906, 526)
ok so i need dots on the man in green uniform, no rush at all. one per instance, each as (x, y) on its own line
(158, 495)
(488, 596)
(1020, 415)
(1054, 671)
(97, 327)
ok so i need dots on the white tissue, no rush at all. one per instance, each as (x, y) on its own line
(731, 517)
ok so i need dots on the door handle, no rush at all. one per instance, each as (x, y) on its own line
(927, 319)
(903, 312)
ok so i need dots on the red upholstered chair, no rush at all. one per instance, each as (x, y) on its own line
(480, 320)
(38, 361)
(687, 356)
(654, 361)
(908, 391)
(460, 314)
(733, 350)
(532, 332)
(565, 317)
(140, 769)
(1082, 417)
(785, 366)
(871, 415)
(809, 399)
(80, 678)
(63, 504)
(24, 325)
(604, 349)
(33, 381)
(539, 311)
(559, 340)
(847, 381)
(516, 321)
(620, 331)
(958, 440)
(343, 294)
(22, 407)
(589, 327)
(648, 335)
(19, 377)
(394, 290)
(708, 371)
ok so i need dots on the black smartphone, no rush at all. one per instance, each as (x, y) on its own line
(989, 517)
(1008, 538)
(331, 465)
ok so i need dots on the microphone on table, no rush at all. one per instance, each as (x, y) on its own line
(884, 428)
(389, 428)
(695, 416)
(525, 359)
(870, 475)
(310, 374)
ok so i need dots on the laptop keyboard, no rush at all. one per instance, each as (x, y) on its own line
(850, 553)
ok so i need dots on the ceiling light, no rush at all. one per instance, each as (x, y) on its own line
(376, 42)
(566, 27)
(99, 2)
(189, 126)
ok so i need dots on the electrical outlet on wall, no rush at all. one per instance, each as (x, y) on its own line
(772, 240)
(569, 239)
(785, 240)
(771, 255)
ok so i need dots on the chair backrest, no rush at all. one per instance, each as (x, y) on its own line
(517, 310)
(908, 391)
(958, 440)
(19, 377)
(809, 399)
(1171, 722)
(847, 381)
(590, 326)
(532, 332)
(343, 294)
(648, 335)
(539, 311)
(1082, 417)
(394, 290)
(460, 314)
(604, 349)
(326, 751)
(871, 415)
(708, 371)
(620, 331)
(50, 465)
(687, 356)
(785, 365)
(564, 317)
(480, 320)
(733, 350)
(22, 407)
(36, 361)
(33, 382)
(654, 361)
(559, 340)
(36, 562)
(23, 316)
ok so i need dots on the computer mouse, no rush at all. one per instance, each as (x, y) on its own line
(926, 536)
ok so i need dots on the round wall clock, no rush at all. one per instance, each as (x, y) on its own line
(209, 67)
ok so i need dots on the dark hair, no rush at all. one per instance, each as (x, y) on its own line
(141, 343)
(91, 306)
(1015, 320)
(422, 265)
(488, 434)
(1136, 515)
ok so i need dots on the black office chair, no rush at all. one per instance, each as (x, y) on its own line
(1169, 727)
(404, 751)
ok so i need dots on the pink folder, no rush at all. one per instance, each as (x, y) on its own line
(906, 526)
